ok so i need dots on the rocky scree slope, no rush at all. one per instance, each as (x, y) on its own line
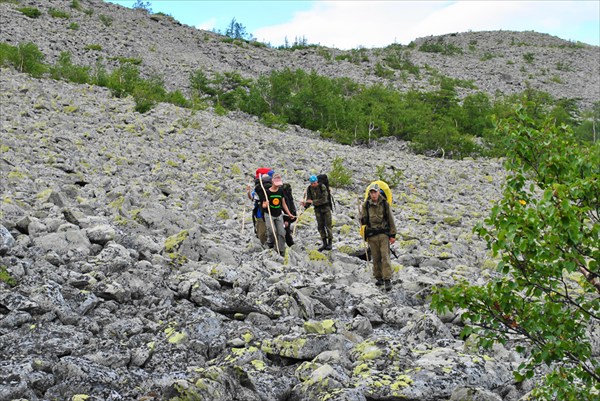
(131, 276)
(131, 270)
(497, 62)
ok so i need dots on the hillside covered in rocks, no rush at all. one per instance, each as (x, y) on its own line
(129, 269)
(496, 62)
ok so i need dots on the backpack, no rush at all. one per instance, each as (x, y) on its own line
(323, 179)
(289, 201)
(289, 198)
(386, 192)
(267, 180)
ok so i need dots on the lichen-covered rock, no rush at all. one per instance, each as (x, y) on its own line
(302, 347)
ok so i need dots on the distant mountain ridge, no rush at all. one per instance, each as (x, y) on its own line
(504, 62)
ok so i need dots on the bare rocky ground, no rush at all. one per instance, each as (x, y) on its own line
(135, 274)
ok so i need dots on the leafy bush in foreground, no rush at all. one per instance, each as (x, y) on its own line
(545, 232)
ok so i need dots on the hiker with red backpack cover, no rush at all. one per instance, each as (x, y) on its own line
(273, 200)
(258, 218)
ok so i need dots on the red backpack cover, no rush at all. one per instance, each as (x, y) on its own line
(262, 171)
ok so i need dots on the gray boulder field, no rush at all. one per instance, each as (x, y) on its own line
(129, 265)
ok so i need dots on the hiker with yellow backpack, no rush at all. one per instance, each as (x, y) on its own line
(379, 230)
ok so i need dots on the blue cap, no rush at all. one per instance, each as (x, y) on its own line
(270, 173)
(313, 178)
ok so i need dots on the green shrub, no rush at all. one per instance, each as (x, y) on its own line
(220, 110)
(383, 72)
(7, 54)
(273, 121)
(127, 60)
(64, 69)
(55, 13)
(26, 57)
(74, 26)
(106, 19)
(147, 93)
(529, 57)
(121, 81)
(93, 46)
(31, 12)
(177, 98)
(563, 66)
(399, 61)
(76, 5)
(339, 176)
(392, 179)
(256, 43)
(440, 47)
(487, 56)
(556, 79)
(543, 297)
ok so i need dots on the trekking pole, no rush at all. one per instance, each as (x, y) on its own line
(364, 240)
(300, 214)
(269, 210)
(244, 211)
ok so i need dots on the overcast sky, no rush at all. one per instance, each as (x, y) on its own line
(353, 24)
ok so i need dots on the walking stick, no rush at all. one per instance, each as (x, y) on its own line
(359, 227)
(244, 212)
(302, 211)
(269, 210)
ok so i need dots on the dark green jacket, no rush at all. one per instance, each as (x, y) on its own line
(319, 196)
(378, 220)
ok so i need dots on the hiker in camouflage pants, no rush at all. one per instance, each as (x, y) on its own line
(380, 232)
(318, 196)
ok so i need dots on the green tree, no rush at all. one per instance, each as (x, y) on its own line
(142, 5)
(65, 69)
(477, 115)
(546, 233)
(25, 57)
(235, 30)
(589, 129)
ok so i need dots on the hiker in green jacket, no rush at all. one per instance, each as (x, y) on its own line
(318, 196)
(380, 232)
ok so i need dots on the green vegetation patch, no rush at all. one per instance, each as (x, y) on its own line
(5, 276)
(31, 12)
(56, 13)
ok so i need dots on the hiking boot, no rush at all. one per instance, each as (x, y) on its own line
(328, 245)
(387, 284)
(323, 247)
(379, 282)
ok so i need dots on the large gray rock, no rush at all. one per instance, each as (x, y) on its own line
(6, 240)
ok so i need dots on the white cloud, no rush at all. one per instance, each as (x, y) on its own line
(207, 25)
(350, 24)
